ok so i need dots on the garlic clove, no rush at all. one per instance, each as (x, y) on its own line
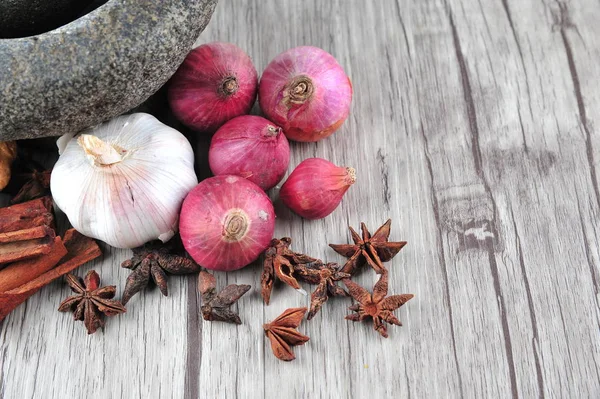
(164, 237)
(62, 142)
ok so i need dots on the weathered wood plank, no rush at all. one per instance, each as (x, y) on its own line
(534, 185)
(473, 128)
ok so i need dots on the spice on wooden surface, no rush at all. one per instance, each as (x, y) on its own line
(37, 184)
(91, 301)
(26, 243)
(283, 334)
(376, 306)
(153, 260)
(281, 262)
(372, 250)
(19, 273)
(80, 250)
(215, 306)
(27, 215)
(325, 277)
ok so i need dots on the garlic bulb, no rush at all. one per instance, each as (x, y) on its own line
(123, 182)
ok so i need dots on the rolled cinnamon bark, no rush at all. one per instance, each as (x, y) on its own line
(80, 250)
(19, 273)
(27, 215)
(26, 243)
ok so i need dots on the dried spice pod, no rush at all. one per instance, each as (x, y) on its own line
(215, 306)
(325, 277)
(30, 179)
(91, 301)
(152, 260)
(282, 333)
(372, 249)
(281, 262)
(37, 184)
(376, 306)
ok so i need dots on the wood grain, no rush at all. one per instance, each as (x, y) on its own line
(474, 128)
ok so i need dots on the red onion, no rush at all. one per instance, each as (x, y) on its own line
(226, 222)
(316, 187)
(251, 147)
(305, 91)
(215, 83)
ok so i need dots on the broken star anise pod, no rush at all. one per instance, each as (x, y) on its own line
(325, 276)
(372, 249)
(37, 185)
(283, 333)
(282, 262)
(153, 260)
(91, 301)
(215, 306)
(376, 306)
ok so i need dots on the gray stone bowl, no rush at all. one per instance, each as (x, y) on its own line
(20, 18)
(96, 67)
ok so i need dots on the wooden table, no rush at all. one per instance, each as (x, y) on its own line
(473, 128)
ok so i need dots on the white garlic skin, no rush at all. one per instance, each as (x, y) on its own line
(135, 200)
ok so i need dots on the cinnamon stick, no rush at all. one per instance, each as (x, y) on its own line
(19, 273)
(80, 249)
(27, 215)
(25, 244)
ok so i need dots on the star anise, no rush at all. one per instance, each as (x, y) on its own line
(153, 260)
(216, 306)
(325, 276)
(37, 185)
(280, 261)
(376, 306)
(282, 333)
(91, 301)
(369, 249)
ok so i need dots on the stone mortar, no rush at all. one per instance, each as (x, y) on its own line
(94, 68)
(20, 18)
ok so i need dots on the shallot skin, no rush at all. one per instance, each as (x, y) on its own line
(226, 222)
(305, 91)
(216, 82)
(252, 147)
(316, 187)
